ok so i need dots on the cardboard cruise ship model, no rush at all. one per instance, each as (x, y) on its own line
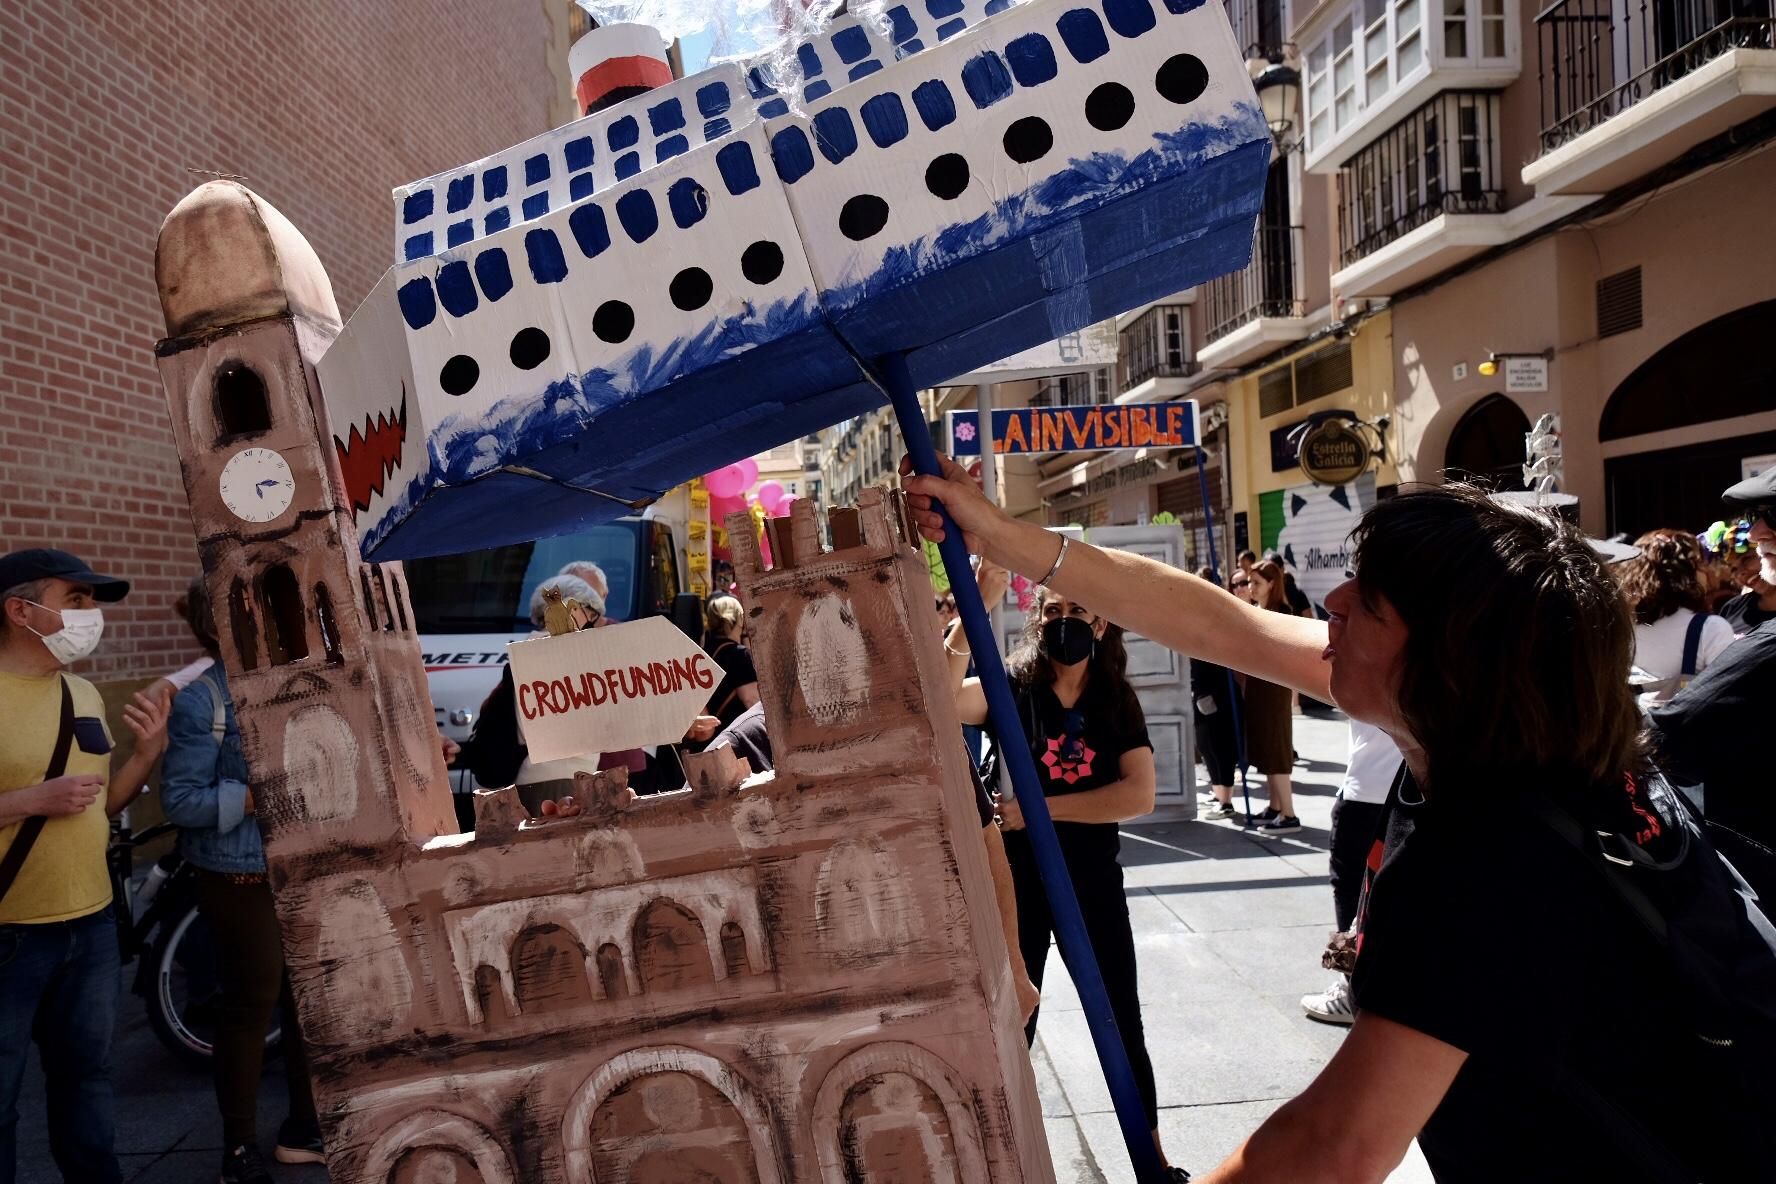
(791, 977)
(709, 268)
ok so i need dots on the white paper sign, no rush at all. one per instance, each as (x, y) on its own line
(604, 690)
(1527, 375)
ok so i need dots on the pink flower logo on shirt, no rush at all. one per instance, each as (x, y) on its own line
(1062, 767)
(965, 432)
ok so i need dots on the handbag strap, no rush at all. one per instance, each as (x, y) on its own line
(26, 838)
(1693, 643)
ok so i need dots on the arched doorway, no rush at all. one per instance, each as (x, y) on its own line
(1717, 371)
(1486, 444)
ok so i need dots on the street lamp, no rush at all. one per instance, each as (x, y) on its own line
(1277, 79)
(1491, 365)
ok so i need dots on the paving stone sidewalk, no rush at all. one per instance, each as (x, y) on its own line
(1228, 933)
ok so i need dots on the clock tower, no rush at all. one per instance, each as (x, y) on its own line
(321, 655)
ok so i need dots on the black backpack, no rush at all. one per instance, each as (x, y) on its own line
(1722, 948)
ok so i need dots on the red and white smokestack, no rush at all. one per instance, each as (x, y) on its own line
(616, 62)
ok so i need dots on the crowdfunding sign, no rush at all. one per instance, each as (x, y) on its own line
(1078, 429)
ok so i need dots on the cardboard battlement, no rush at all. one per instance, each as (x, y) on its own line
(878, 527)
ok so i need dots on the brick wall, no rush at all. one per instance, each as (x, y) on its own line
(112, 110)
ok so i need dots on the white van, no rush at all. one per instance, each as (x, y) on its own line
(467, 607)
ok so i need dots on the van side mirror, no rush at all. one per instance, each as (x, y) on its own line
(687, 614)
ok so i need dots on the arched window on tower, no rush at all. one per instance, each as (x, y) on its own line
(286, 626)
(241, 405)
(329, 623)
(369, 599)
(241, 625)
(383, 599)
(398, 596)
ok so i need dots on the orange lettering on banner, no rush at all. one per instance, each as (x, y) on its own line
(1175, 423)
(1072, 423)
(1113, 430)
(1094, 426)
(1014, 433)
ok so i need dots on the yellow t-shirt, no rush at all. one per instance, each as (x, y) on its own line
(65, 876)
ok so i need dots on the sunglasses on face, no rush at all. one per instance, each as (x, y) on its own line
(1764, 514)
(1237, 584)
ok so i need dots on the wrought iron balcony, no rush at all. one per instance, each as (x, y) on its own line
(1268, 286)
(1442, 159)
(1260, 27)
(1600, 57)
(1156, 345)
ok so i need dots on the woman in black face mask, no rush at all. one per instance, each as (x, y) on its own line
(1095, 763)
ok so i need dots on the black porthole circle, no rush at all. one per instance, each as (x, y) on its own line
(459, 375)
(863, 217)
(762, 262)
(691, 289)
(947, 176)
(1028, 139)
(530, 348)
(613, 322)
(1109, 106)
(1182, 79)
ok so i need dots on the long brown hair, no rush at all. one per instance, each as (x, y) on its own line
(1272, 571)
(1666, 576)
(1107, 669)
(1518, 640)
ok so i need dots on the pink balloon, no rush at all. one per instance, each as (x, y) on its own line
(769, 494)
(727, 481)
(721, 507)
(749, 469)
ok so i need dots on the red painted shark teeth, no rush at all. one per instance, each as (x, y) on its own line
(367, 458)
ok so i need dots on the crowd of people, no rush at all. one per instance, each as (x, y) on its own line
(1546, 969)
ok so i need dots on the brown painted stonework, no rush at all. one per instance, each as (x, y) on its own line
(759, 979)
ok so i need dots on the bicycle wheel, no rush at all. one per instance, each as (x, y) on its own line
(184, 996)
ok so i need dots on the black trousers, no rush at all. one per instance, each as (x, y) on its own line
(1355, 827)
(1217, 744)
(1098, 883)
(250, 966)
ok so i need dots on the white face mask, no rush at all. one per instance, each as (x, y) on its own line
(77, 638)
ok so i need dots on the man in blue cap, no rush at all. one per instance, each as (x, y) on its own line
(58, 942)
(1708, 734)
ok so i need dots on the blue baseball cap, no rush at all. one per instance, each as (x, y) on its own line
(47, 563)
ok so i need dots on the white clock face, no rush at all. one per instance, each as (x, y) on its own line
(257, 485)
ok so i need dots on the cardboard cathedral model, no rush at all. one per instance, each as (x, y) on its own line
(707, 269)
(756, 980)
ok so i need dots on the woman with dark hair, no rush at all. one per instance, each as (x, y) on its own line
(1675, 637)
(1527, 1008)
(1268, 719)
(1089, 738)
(204, 792)
(1215, 705)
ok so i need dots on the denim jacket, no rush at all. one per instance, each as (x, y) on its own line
(203, 781)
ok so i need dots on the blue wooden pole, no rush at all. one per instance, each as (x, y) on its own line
(1014, 747)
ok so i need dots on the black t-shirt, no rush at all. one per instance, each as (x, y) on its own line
(1077, 749)
(1710, 733)
(737, 670)
(1743, 614)
(1485, 929)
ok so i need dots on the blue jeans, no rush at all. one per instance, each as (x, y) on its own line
(58, 985)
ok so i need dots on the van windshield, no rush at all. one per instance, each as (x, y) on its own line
(489, 591)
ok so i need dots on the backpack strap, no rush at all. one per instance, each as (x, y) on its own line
(32, 827)
(1693, 644)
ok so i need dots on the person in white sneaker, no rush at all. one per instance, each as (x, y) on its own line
(1370, 771)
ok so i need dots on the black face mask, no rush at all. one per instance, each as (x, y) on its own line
(1067, 641)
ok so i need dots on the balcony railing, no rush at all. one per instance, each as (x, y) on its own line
(1156, 345)
(1260, 27)
(1600, 57)
(1442, 159)
(1268, 286)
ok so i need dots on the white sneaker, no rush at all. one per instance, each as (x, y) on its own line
(1331, 1006)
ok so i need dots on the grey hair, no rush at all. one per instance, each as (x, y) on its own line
(31, 590)
(571, 588)
(585, 569)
